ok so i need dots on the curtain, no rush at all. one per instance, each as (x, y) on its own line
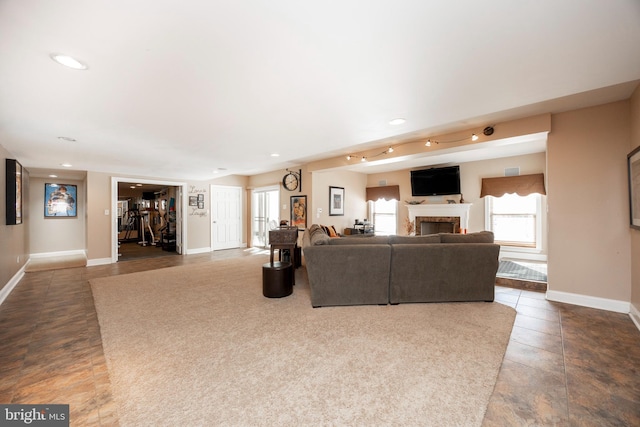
(523, 185)
(388, 192)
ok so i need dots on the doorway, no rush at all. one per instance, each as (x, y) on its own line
(147, 219)
(265, 214)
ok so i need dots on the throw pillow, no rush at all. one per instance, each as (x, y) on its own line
(317, 236)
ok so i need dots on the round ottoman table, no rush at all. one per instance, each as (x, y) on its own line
(277, 279)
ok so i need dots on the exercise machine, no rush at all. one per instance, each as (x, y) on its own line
(145, 222)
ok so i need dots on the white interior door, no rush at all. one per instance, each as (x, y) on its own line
(179, 216)
(226, 217)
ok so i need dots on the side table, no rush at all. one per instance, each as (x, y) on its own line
(285, 238)
(277, 279)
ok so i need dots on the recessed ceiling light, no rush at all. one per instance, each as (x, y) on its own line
(66, 165)
(138, 185)
(397, 121)
(275, 155)
(68, 61)
(133, 186)
(53, 176)
(67, 138)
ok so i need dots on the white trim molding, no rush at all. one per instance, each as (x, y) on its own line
(12, 283)
(589, 301)
(98, 261)
(460, 210)
(61, 253)
(198, 251)
(634, 313)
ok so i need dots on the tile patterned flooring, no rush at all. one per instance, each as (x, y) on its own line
(565, 365)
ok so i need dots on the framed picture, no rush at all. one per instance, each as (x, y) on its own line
(299, 211)
(193, 201)
(200, 205)
(336, 201)
(633, 168)
(201, 197)
(13, 192)
(60, 200)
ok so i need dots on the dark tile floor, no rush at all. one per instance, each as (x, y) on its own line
(564, 366)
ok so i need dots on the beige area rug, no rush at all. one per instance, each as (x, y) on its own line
(199, 345)
(56, 263)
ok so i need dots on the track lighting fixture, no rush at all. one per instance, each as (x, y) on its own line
(487, 131)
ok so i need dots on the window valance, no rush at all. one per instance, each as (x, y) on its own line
(523, 185)
(388, 192)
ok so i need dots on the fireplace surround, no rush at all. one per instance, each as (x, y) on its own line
(440, 218)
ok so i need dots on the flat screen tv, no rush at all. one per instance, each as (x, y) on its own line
(436, 181)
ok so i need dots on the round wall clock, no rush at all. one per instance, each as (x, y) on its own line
(291, 181)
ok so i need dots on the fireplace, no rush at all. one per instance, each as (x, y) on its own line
(437, 224)
(440, 217)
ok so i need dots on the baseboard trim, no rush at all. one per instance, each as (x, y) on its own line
(12, 283)
(198, 251)
(99, 261)
(634, 313)
(589, 301)
(61, 253)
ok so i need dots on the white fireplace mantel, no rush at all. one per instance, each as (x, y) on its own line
(460, 210)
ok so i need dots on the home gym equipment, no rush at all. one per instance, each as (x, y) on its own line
(132, 224)
(145, 222)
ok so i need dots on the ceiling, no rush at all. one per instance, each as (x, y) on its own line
(201, 89)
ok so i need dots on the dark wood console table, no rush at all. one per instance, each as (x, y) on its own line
(284, 238)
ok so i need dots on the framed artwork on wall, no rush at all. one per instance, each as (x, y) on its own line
(60, 200)
(13, 192)
(633, 169)
(299, 211)
(336, 201)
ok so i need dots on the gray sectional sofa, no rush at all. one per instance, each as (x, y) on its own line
(399, 269)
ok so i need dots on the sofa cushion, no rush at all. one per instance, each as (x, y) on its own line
(354, 240)
(317, 236)
(427, 238)
(479, 237)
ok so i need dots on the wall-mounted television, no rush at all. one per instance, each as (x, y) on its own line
(436, 181)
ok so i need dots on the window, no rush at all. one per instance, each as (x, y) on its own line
(384, 214)
(515, 220)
